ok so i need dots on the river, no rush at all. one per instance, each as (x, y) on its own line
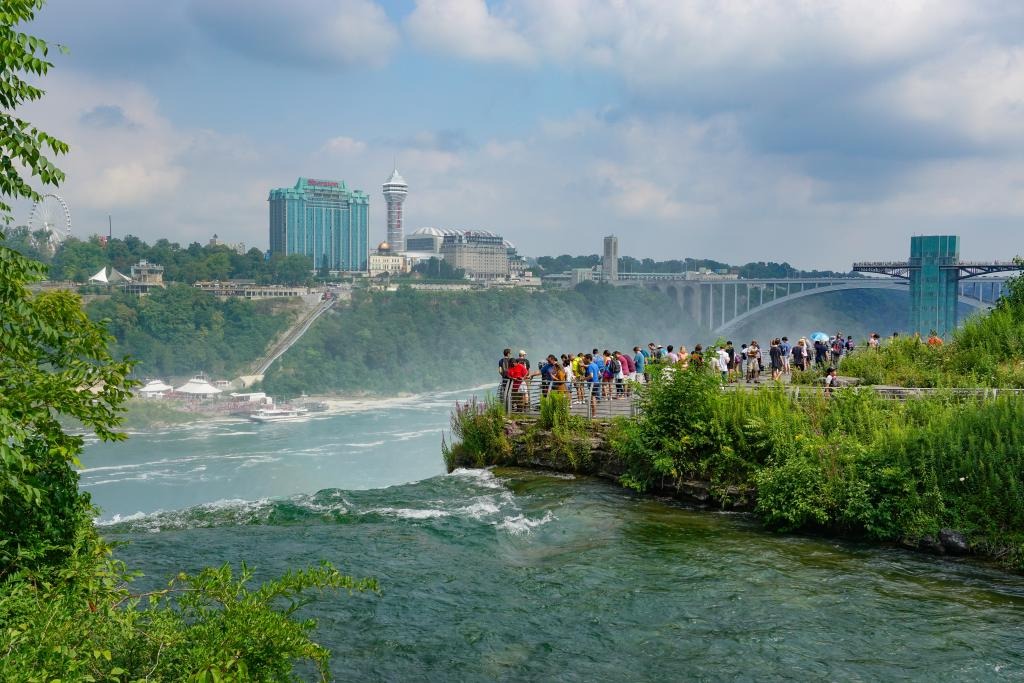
(513, 575)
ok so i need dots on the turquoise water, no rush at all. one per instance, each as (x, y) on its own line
(513, 575)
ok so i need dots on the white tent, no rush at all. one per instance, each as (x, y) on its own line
(197, 386)
(155, 387)
(115, 276)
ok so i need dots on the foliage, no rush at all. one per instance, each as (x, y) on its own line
(986, 351)
(23, 145)
(439, 269)
(854, 464)
(411, 341)
(478, 431)
(76, 259)
(82, 623)
(64, 604)
(55, 365)
(181, 330)
(628, 264)
(567, 435)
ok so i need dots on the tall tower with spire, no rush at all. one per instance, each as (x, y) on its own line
(395, 191)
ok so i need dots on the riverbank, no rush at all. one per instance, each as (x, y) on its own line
(941, 473)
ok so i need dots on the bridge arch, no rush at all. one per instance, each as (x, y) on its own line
(846, 285)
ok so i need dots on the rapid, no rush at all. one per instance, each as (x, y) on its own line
(516, 575)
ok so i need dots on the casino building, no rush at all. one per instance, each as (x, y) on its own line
(324, 220)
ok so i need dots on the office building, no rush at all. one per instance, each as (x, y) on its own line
(324, 220)
(483, 255)
(395, 191)
(610, 262)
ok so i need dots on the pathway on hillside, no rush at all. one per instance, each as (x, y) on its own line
(286, 341)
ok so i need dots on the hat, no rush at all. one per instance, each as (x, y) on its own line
(659, 346)
(522, 353)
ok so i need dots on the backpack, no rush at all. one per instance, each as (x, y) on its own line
(615, 366)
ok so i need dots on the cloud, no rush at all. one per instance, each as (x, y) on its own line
(313, 33)
(467, 29)
(106, 116)
(344, 146)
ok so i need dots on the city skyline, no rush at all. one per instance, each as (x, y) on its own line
(802, 133)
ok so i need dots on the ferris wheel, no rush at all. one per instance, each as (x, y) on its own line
(51, 215)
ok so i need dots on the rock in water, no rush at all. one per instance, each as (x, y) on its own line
(954, 542)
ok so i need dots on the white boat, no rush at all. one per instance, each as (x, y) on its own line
(278, 415)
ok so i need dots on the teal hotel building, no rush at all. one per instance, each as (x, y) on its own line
(324, 220)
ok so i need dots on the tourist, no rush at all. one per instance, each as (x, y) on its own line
(775, 358)
(724, 361)
(640, 363)
(787, 350)
(558, 376)
(673, 357)
(503, 365)
(934, 340)
(697, 357)
(799, 353)
(820, 352)
(517, 374)
(831, 380)
(593, 381)
(753, 364)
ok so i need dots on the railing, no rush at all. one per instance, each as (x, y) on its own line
(606, 400)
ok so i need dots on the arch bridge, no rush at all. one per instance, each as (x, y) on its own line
(720, 304)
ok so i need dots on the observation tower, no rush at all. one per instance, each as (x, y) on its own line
(935, 271)
(395, 191)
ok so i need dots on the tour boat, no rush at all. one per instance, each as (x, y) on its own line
(278, 415)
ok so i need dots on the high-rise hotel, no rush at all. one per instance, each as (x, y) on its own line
(324, 220)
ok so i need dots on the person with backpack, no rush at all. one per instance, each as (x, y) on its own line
(786, 351)
(504, 363)
(613, 373)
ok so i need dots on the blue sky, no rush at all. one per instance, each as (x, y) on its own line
(813, 132)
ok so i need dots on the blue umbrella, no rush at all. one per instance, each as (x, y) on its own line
(819, 336)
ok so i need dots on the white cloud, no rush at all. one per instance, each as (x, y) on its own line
(344, 146)
(974, 90)
(467, 29)
(319, 33)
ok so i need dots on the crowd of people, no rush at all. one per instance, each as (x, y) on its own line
(610, 375)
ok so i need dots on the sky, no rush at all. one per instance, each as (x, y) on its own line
(817, 132)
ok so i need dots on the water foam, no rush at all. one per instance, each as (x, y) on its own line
(521, 524)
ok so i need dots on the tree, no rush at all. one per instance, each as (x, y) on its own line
(66, 610)
(23, 145)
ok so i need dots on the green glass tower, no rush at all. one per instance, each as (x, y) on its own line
(934, 274)
(324, 220)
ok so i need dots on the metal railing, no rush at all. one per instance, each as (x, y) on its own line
(604, 400)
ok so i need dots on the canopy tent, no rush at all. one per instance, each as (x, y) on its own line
(154, 387)
(197, 386)
(114, 276)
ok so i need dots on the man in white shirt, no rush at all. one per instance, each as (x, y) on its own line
(723, 364)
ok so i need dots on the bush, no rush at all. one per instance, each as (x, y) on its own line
(478, 432)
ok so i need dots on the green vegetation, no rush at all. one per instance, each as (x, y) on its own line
(181, 330)
(628, 264)
(66, 607)
(567, 436)
(478, 428)
(419, 341)
(986, 351)
(78, 260)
